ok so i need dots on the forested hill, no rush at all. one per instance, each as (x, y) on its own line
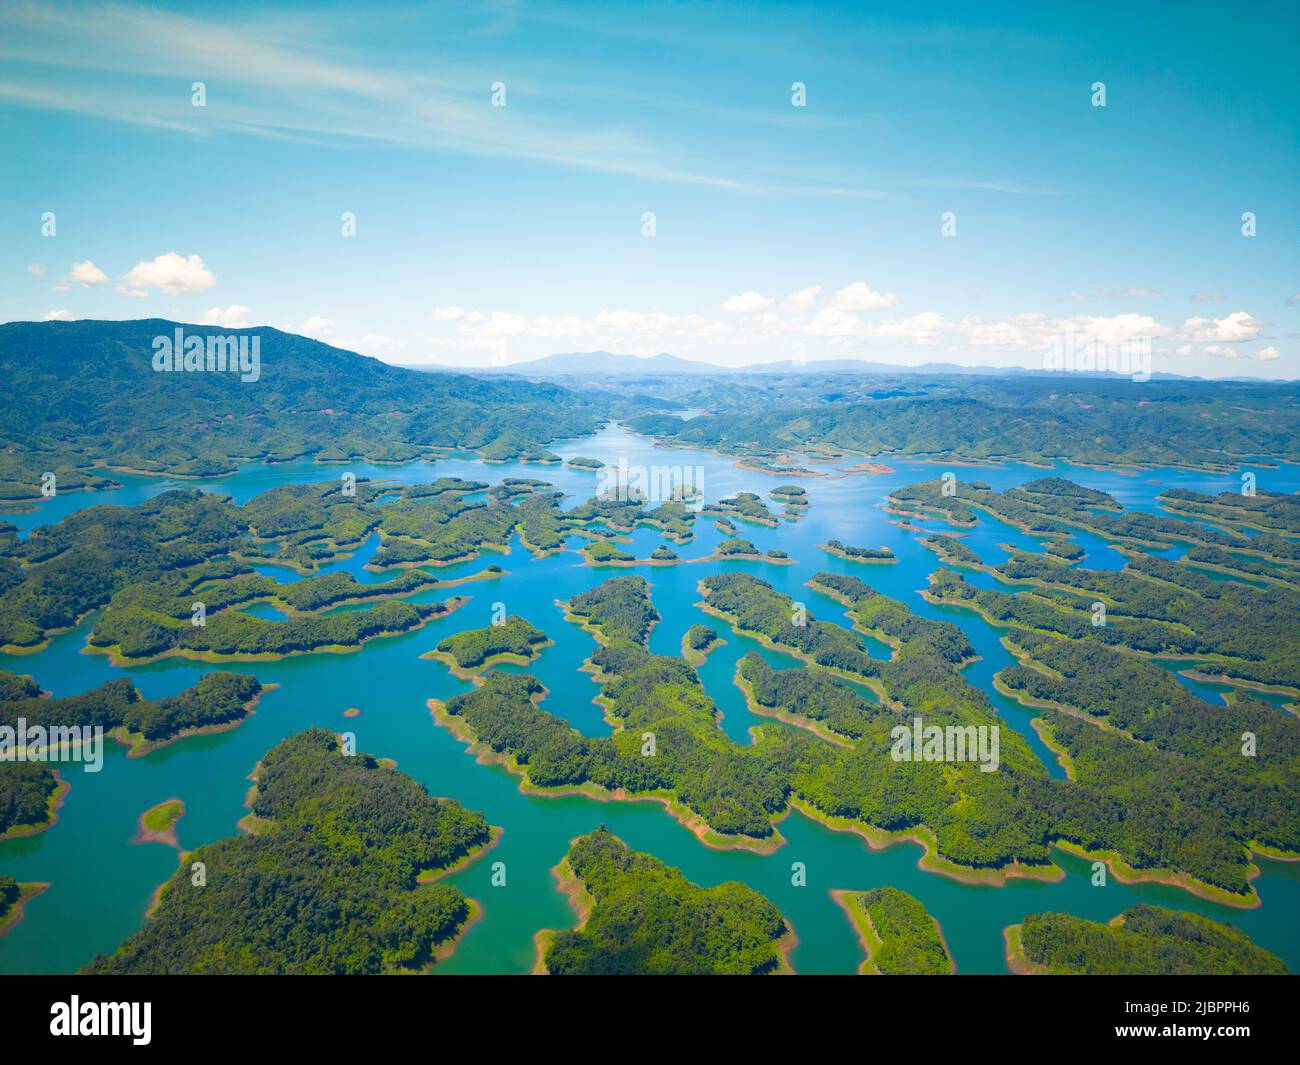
(81, 392)
(1098, 421)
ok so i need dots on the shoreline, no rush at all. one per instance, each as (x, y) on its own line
(27, 891)
(52, 806)
(145, 834)
(116, 658)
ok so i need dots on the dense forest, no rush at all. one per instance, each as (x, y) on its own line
(26, 788)
(1143, 941)
(216, 699)
(648, 919)
(902, 938)
(1030, 418)
(149, 565)
(1153, 605)
(210, 423)
(334, 870)
(514, 637)
(1174, 801)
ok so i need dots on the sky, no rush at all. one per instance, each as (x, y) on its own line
(483, 184)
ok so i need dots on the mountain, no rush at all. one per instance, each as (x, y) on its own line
(597, 364)
(86, 393)
(606, 362)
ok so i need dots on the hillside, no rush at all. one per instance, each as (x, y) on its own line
(85, 393)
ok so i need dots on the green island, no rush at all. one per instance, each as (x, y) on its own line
(158, 823)
(582, 462)
(1270, 512)
(600, 552)
(974, 825)
(640, 916)
(898, 934)
(219, 701)
(698, 642)
(171, 576)
(744, 506)
(1142, 941)
(339, 847)
(1240, 633)
(858, 554)
(792, 495)
(470, 652)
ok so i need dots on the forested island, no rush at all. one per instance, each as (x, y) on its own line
(1142, 941)
(858, 554)
(640, 916)
(335, 862)
(698, 642)
(1156, 606)
(898, 934)
(1152, 813)
(218, 701)
(514, 640)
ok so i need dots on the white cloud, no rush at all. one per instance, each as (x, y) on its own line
(86, 274)
(1236, 327)
(924, 328)
(1267, 354)
(860, 297)
(1032, 330)
(505, 324)
(317, 325)
(802, 300)
(171, 274)
(57, 316)
(833, 322)
(370, 344)
(235, 316)
(747, 302)
(447, 314)
(35, 269)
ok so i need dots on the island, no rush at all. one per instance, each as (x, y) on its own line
(698, 642)
(1144, 940)
(898, 934)
(341, 842)
(158, 823)
(640, 916)
(469, 653)
(858, 554)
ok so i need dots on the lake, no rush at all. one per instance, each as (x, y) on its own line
(102, 883)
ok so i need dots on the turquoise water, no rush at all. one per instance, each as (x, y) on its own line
(102, 883)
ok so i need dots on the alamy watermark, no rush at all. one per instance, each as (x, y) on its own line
(655, 484)
(920, 742)
(239, 354)
(57, 743)
(1076, 353)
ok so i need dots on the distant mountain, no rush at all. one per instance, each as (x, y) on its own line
(577, 363)
(597, 364)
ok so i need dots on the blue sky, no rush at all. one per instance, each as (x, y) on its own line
(489, 235)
